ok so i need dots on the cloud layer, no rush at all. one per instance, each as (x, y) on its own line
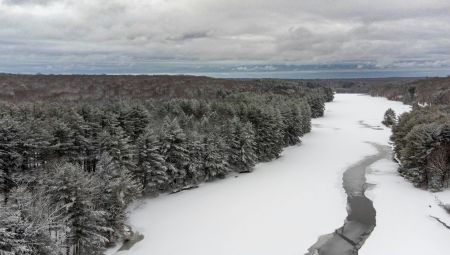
(151, 35)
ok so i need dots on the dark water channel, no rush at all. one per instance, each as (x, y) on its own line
(361, 218)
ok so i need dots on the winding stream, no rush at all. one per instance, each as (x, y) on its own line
(361, 219)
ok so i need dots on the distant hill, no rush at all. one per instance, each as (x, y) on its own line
(20, 88)
(30, 88)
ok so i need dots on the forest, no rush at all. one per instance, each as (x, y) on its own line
(69, 168)
(422, 145)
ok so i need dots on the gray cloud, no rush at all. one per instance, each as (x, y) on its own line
(88, 35)
(24, 2)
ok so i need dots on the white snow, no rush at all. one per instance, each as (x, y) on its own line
(285, 205)
(404, 222)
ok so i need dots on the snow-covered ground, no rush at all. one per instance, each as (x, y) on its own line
(285, 205)
(404, 216)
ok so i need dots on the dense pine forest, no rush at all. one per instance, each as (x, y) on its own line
(421, 137)
(422, 145)
(69, 169)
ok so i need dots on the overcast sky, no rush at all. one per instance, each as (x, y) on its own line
(151, 36)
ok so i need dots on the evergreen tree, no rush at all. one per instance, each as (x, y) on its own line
(85, 141)
(67, 186)
(414, 154)
(135, 121)
(241, 142)
(292, 121)
(268, 125)
(34, 145)
(32, 223)
(117, 189)
(195, 172)
(173, 148)
(215, 159)
(117, 143)
(10, 159)
(317, 104)
(329, 94)
(11, 241)
(305, 117)
(184, 120)
(152, 168)
(61, 141)
(389, 118)
(438, 165)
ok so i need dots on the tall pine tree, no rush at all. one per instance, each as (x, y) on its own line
(173, 149)
(151, 169)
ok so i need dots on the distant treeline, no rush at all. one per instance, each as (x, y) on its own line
(68, 170)
(407, 90)
(422, 144)
(93, 88)
(429, 91)
(362, 85)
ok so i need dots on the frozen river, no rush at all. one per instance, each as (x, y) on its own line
(283, 206)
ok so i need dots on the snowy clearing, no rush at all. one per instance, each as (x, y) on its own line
(285, 205)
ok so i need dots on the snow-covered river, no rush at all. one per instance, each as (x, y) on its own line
(285, 205)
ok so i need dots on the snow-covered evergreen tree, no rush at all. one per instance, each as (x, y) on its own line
(33, 221)
(151, 169)
(85, 143)
(305, 112)
(68, 186)
(215, 163)
(389, 118)
(329, 94)
(268, 125)
(292, 123)
(241, 143)
(117, 143)
(11, 241)
(317, 104)
(61, 140)
(195, 172)
(117, 189)
(135, 121)
(10, 158)
(173, 148)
